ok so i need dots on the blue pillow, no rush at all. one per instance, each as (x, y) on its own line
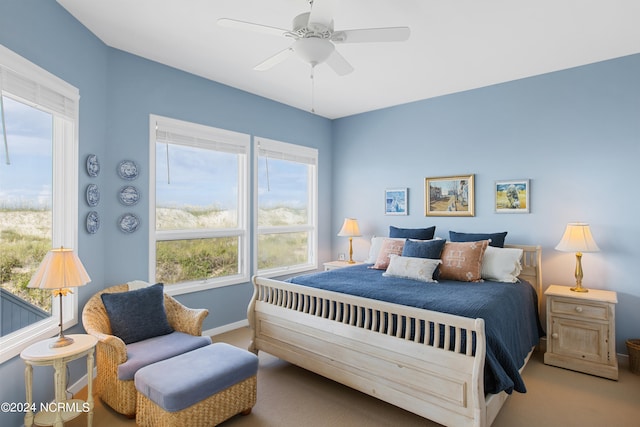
(497, 239)
(412, 233)
(429, 249)
(137, 315)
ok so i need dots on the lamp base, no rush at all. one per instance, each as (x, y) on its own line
(62, 341)
(579, 289)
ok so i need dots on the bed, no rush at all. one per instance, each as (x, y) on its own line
(432, 363)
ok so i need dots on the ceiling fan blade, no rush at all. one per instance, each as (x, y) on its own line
(322, 13)
(371, 35)
(274, 60)
(249, 26)
(339, 64)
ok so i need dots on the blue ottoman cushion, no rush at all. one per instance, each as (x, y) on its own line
(152, 350)
(182, 381)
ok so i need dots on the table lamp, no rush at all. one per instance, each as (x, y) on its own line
(350, 229)
(60, 270)
(577, 238)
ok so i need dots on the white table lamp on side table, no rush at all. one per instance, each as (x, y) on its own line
(577, 238)
(60, 270)
(350, 229)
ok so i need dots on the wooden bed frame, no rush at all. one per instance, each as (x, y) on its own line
(337, 336)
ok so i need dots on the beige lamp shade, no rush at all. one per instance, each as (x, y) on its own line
(577, 238)
(349, 228)
(61, 268)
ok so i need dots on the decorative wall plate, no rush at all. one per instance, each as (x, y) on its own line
(129, 195)
(127, 169)
(93, 195)
(128, 223)
(93, 222)
(93, 165)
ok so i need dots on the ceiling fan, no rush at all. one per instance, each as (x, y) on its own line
(314, 37)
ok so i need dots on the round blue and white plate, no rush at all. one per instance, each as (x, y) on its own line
(128, 223)
(93, 222)
(127, 169)
(93, 165)
(93, 195)
(129, 195)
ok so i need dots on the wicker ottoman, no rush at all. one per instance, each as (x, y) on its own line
(201, 388)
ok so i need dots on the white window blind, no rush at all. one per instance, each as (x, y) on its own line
(171, 131)
(36, 86)
(285, 151)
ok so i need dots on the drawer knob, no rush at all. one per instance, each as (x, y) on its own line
(554, 335)
(579, 309)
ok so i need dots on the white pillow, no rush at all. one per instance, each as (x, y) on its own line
(376, 245)
(412, 268)
(501, 264)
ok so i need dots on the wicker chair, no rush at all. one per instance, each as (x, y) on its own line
(111, 351)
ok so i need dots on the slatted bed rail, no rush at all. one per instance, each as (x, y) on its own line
(436, 329)
(414, 358)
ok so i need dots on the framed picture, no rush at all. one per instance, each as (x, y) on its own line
(396, 201)
(512, 196)
(449, 196)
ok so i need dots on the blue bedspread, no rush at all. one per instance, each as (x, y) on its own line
(510, 312)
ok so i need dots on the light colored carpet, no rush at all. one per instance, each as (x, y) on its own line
(289, 396)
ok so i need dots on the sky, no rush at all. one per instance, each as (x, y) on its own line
(25, 176)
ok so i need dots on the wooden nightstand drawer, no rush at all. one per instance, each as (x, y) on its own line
(580, 309)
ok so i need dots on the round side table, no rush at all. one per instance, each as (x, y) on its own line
(39, 354)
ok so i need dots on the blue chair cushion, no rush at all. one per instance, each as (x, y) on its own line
(137, 315)
(182, 381)
(152, 350)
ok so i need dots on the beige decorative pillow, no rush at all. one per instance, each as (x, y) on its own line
(463, 261)
(389, 246)
(412, 268)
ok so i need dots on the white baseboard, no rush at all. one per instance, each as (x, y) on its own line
(82, 382)
(226, 328)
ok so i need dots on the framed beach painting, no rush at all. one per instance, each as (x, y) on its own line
(449, 196)
(396, 201)
(512, 196)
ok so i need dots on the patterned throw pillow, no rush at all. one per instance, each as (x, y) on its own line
(462, 261)
(412, 268)
(390, 246)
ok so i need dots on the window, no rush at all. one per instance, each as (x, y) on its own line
(38, 194)
(200, 206)
(286, 207)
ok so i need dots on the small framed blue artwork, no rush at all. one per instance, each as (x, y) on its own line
(396, 201)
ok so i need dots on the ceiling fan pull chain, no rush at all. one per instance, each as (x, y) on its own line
(313, 92)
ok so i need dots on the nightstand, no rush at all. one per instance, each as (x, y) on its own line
(62, 410)
(332, 265)
(581, 331)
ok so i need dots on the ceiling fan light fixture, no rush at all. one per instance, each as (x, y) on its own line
(313, 50)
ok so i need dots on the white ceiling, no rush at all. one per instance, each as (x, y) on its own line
(455, 45)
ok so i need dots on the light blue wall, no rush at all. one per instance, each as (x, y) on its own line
(575, 134)
(118, 92)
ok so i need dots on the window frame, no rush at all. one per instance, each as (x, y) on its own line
(27, 83)
(301, 154)
(203, 133)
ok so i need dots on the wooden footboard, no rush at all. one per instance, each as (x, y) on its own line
(389, 351)
(366, 344)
